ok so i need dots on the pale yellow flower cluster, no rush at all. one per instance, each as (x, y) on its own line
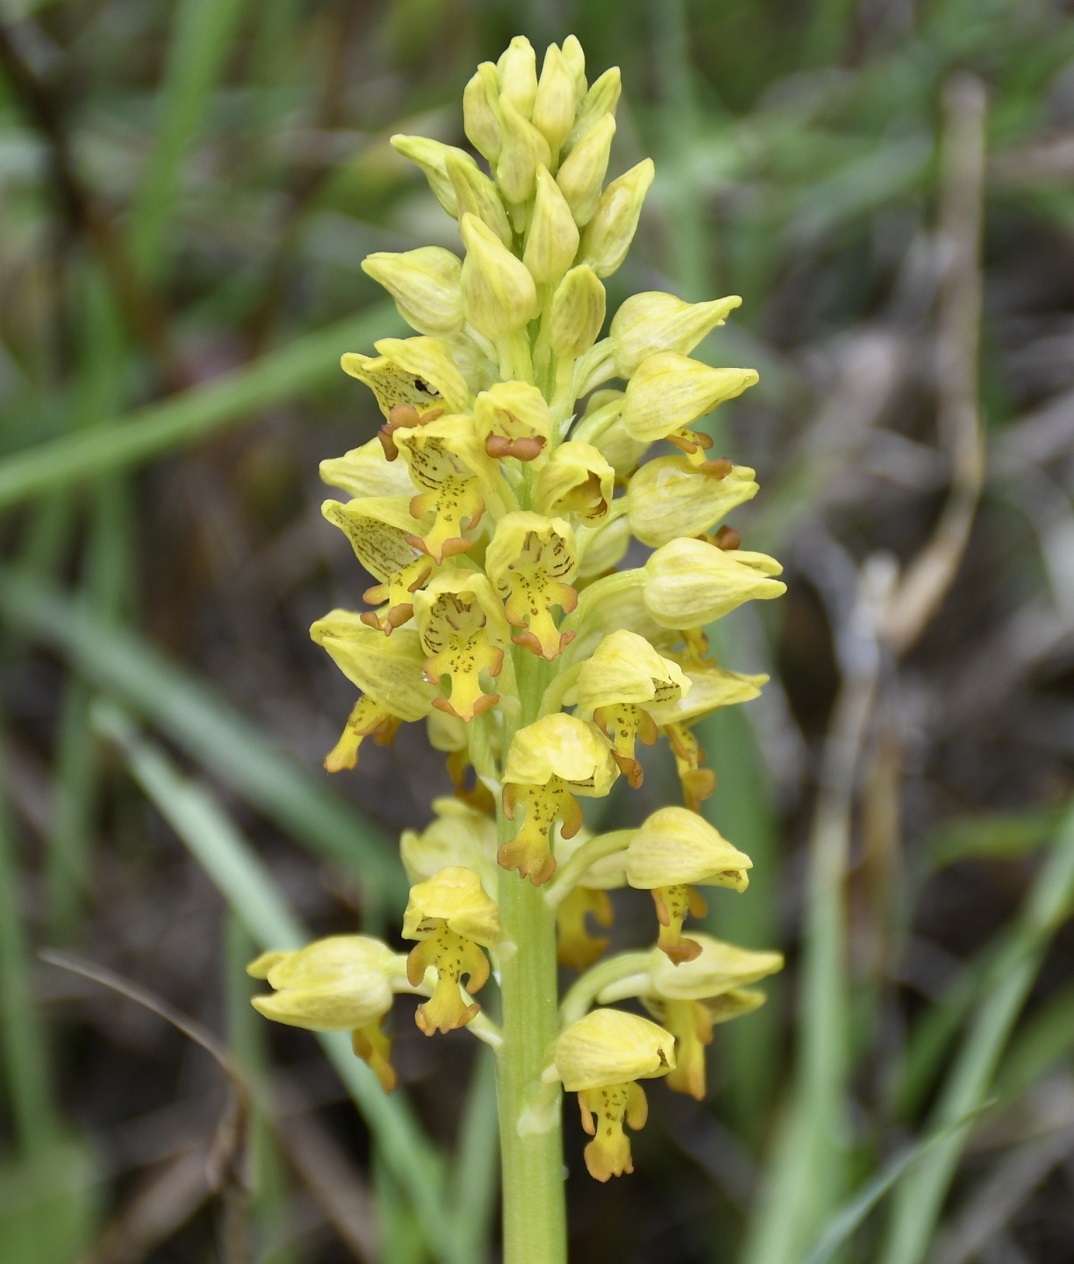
(494, 511)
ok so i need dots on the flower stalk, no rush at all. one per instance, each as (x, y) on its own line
(520, 454)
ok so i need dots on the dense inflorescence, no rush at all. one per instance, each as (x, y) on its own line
(494, 509)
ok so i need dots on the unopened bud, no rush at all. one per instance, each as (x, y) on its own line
(615, 220)
(577, 312)
(669, 391)
(689, 583)
(481, 112)
(582, 174)
(552, 236)
(601, 99)
(431, 156)
(655, 321)
(517, 69)
(574, 56)
(475, 193)
(497, 289)
(524, 149)
(668, 497)
(553, 109)
(424, 284)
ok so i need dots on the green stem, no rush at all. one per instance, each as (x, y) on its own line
(534, 1201)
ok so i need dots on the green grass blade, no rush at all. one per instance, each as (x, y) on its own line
(936, 1031)
(842, 1226)
(209, 836)
(475, 1177)
(247, 1037)
(108, 577)
(1043, 1044)
(50, 1204)
(183, 419)
(208, 728)
(808, 1176)
(200, 43)
(921, 1196)
(251, 893)
(22, 1038)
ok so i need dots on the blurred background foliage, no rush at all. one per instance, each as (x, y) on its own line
(187, 189)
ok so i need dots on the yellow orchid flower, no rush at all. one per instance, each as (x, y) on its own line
(342, 983)
(531, 560)
(452, 918)
(462, 628)
(601, 1057)
(618, 684)
(673, 852)
(551, 761)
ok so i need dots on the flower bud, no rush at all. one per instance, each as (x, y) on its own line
(614, 222)
(574, 56)
(577, 314)
(481, 112)
(668, 497)
(475, 193)
(552, 236)
(523, 150)
(598, 103)
(553, 108)
(431, 156)
(669, 391)
(471, 355)
(517, 70)
(424, 284)
(602, 424)
(581, 175)
(497, 289)
(604, 546)
(689, 583)
(655, 321)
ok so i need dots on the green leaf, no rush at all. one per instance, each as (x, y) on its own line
(153, 431)
(49, 1205)
(921, 1196)
(207, 727)
(843, 1224)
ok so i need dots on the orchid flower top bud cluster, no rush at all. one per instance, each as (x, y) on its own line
(525, 441)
